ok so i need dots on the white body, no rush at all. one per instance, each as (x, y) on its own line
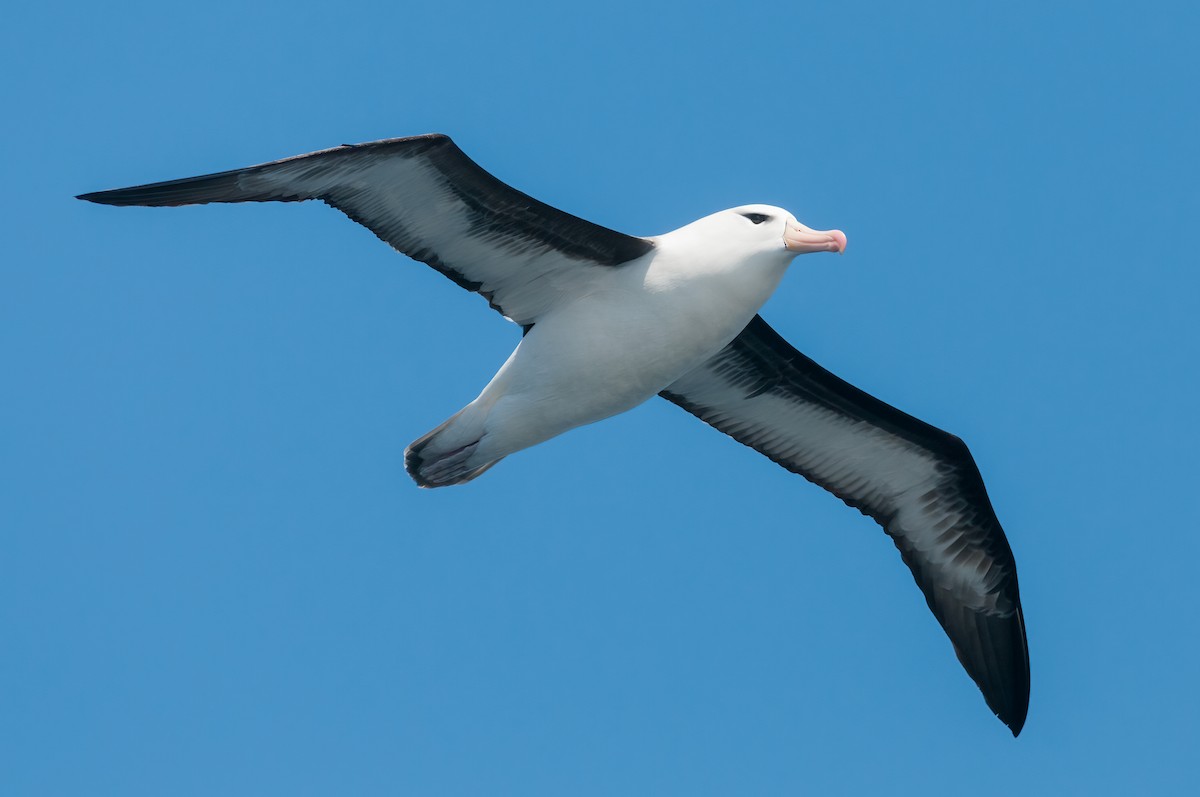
(635, 330)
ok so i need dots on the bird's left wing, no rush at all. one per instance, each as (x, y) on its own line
(427, 199)
(920, 483)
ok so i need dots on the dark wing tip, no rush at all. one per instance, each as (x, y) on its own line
(225, 187)
(993, 650)
(103, 197)
(220, 187)
(948, 536)
(985, 625)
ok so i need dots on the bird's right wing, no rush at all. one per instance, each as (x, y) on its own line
(427, 199)
(918, 482)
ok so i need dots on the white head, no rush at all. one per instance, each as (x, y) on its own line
(752, 231)
(778, 229)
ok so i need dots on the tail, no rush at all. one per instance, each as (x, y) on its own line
(446, 455)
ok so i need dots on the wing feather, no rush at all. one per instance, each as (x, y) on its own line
(920, 483)
(427, 199)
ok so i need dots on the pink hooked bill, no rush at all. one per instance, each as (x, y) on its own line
(803, 240)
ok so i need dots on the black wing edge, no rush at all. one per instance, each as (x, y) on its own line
(223, 186)
(494, 201)
(992, 648)
(761, 342)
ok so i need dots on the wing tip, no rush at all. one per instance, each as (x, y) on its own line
(118, 197)
(95, 196)
(225, 186)
(1020, 708)
(121, 197)
(1014, 711)
(999, 665)
(1010, 709)
(1016, 725)
(1013, 716)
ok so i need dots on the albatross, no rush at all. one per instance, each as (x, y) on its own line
(611, 320)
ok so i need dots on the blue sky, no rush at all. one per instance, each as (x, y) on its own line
(217, 579)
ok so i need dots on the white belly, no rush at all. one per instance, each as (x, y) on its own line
(609, 351)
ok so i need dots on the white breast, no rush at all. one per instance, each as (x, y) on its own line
(621, 343)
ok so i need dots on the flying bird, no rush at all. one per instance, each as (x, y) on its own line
(610, 320)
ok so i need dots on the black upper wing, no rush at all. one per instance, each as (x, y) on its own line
(920, 483)
(430, 201)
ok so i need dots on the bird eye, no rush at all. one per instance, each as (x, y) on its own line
(757, 218)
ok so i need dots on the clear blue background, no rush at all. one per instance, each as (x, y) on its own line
(217, 579)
